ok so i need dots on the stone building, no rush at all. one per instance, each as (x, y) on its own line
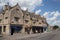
(15, 20)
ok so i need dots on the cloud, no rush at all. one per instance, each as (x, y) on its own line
(38, 11)
(57, 22)
(57, 14)
(46, 14)
(52, 13)
(23, 8)
(2, 3)
(52, 17)
(30, 4)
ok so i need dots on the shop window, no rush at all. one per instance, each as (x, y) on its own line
(4, 28)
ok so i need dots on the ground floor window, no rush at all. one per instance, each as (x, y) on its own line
(0, 29)
(4, 28)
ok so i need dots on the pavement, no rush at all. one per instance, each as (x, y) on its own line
(19, 36)
(1, 37)
(54, 35)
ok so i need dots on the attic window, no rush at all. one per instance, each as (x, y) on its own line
(17, 9)
(6, 9)
(27, 14)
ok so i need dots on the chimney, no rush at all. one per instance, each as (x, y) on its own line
(6, 7)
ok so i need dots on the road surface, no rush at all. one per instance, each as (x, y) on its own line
(55, 35)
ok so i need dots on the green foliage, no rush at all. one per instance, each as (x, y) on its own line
(55, 27)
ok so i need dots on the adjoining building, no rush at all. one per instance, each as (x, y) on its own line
(15, 20)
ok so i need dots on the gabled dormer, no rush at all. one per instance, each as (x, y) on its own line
(16, 10)
(26, 14)
(16, 7)
(16, 14)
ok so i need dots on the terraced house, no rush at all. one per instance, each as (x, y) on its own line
(15, 20)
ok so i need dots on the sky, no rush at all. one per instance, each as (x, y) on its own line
(50, 9)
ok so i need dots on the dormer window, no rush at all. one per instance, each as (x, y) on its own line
(27, 14)
(17, 9)
(26, 21)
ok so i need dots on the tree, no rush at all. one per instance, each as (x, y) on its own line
(55, 27)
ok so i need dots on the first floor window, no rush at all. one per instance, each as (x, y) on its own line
(16, 18)
(26, 21)
(6, 17)
(34, 22)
